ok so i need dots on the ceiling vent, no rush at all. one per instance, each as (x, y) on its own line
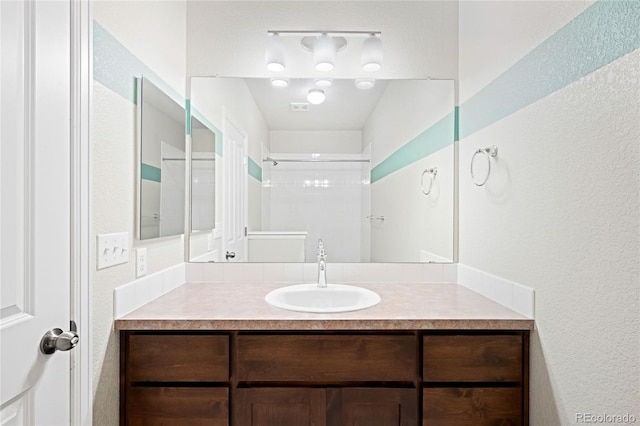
(299, 106)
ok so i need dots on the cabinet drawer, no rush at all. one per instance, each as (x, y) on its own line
(170, 406)
(472, 406)
(466, 358)
(177, 358)
(326, 358)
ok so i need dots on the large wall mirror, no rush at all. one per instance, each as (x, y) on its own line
(161, 154)
(369, 170)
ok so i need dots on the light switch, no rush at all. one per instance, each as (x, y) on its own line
(112, 249)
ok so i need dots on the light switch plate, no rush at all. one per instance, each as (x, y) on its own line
(112, 249)
(141, 262)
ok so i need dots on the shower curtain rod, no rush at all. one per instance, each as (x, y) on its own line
(182, 159)
(316, 160)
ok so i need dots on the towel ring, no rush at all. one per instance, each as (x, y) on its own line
(432, 175)
(489, 152)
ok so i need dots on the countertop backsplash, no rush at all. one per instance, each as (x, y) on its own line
(133, 295)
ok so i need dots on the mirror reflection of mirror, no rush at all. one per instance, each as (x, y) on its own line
(161, 128)
(203, 176)
(348, 171)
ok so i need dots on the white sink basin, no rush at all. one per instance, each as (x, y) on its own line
(333, 298)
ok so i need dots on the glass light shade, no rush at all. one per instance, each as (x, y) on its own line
(316, 96)
(324, 82)
(365, 83)
(324, 53)
(274, 54)
(372, 54)
(279, 82)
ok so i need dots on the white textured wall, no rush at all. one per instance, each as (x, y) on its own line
(315, 141)
(156, 34)
(560, 212)
(413, 221)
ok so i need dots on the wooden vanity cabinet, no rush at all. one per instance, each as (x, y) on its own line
(475, 379)
(380, 378)
(327, 379)
(174, 379)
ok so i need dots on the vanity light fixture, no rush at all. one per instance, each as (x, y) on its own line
(324, 82)
(279, 82)
(274, 53)
(316, 96)
(365, 83)
(372, 54)
(324, 45)
(324, 53)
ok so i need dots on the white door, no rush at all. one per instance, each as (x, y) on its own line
(235, 193)
(34, 210)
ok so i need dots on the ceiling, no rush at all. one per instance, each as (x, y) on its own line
(346, 107)
(227, 38)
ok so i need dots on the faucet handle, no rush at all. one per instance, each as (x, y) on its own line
(321, 252)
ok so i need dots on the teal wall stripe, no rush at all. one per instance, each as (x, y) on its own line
(150, 173)
(604, 32)
(436, 137)
(456, 124)
(187, 110)
(115, 67)
(255, 170)
(217, 132)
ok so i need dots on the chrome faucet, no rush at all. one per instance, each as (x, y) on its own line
(322, 265)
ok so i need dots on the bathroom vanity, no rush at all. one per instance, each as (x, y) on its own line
(430, 354)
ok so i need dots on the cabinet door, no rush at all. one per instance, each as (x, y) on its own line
(472, 407)
(279, 407)
(372, 407)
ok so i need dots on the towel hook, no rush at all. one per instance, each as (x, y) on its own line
(432, 176)
(489, 152)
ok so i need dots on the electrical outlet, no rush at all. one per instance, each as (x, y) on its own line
(141, 262)
(112, 249)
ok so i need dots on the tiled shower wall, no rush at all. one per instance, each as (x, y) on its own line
(324, 199)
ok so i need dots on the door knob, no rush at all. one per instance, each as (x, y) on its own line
(230, 255)
(58, 340)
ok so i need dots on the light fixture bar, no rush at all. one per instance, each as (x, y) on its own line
(317, 32)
